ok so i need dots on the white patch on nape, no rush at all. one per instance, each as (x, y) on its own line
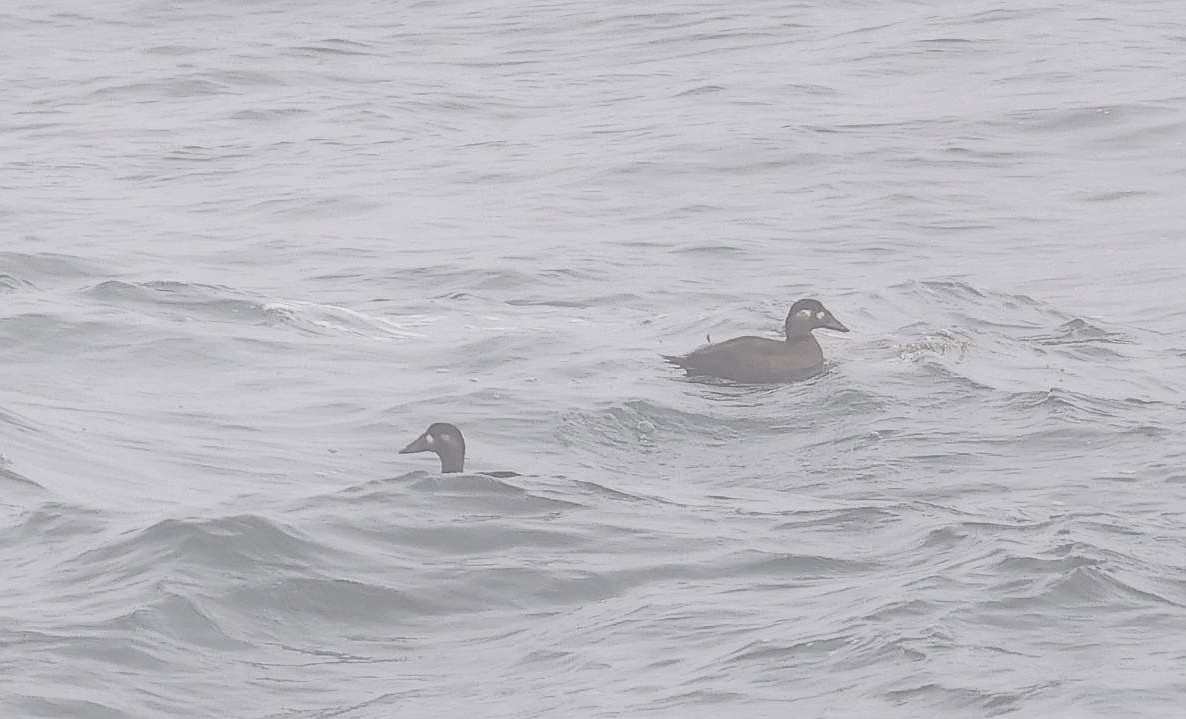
(804, 313)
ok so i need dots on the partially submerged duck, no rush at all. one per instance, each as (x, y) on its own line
(446, 441)
(761, 360)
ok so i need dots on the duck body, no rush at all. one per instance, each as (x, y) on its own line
(756, 360)
(760, 360)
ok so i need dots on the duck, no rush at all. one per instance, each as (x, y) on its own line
(447, 442)
(760, 360)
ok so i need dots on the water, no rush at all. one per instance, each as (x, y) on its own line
(251, 250)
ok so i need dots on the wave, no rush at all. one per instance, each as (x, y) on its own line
(181, 301)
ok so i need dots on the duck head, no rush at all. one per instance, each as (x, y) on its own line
(808, 315)
(446, 441)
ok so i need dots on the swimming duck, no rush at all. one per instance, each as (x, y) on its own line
(446, 440)
(762, 360)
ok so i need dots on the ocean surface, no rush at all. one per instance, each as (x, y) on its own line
(249, 250)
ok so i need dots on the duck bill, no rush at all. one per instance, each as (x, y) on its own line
(834, 324)
(420, 444)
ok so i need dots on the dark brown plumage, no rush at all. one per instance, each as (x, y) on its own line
(759, 360)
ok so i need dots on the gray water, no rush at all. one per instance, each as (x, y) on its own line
(250, 250)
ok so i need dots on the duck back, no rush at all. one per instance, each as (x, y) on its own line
(755, 359)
